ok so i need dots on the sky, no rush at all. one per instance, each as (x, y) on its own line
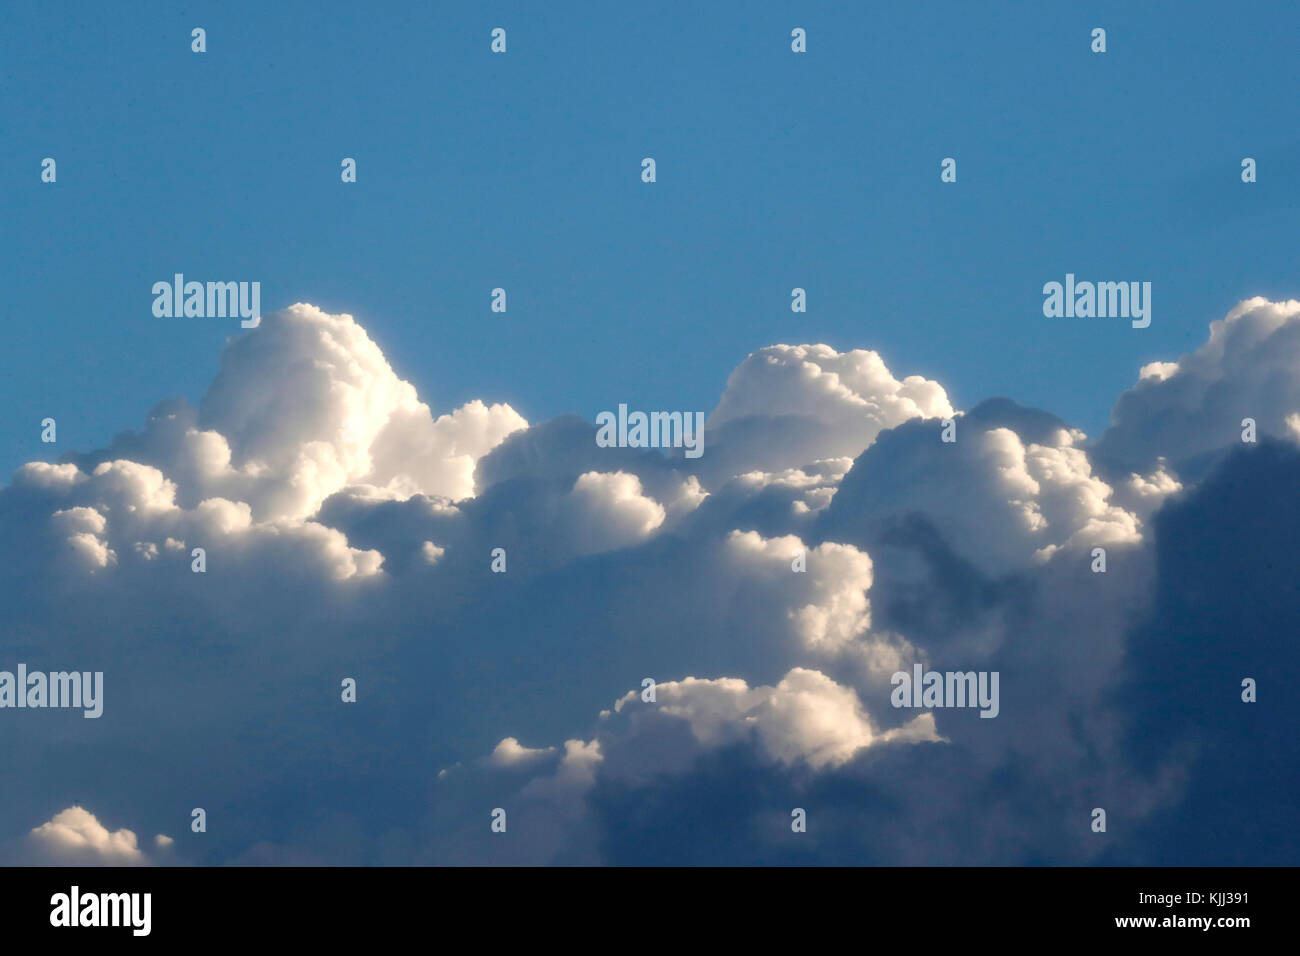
(522, 171)
(388, 490)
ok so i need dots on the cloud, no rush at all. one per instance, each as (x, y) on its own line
(1015, 486)
(126, 508)
(826, 603)
(1224, 609)
(607, 511)
(75, 837)
(788, 405)
(827, 538)
(1185, 410)
(510, 753)
(806, 717)
(852, 390)
(307, 407)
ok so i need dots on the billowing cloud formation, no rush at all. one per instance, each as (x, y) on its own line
(313, 404)
(74, 837)
(853, 390)
(806, 717)
(607, 511)
(491, 587)
(1193, 407)
(307, 407)
(1014, 486)
(146, 519)
(789, 405)
(303, 409)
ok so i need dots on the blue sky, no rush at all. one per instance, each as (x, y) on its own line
(295, 517)
(522, 171)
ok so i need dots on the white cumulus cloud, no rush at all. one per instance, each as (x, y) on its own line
(75, 837)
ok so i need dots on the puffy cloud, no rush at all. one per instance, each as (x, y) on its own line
(574, 775)
(1144, 494)
(79, 520)
(828, 605)
(303, 407)
(90, 552)
(39, 474)
(813, 485)
(416, 455)
(348, 533)
(853, 390)
(124, 507)
(805, 724)
(511, 753)
(309, 404)
(806, 717)
(788, 405)
(608, 511)
(1014, 487)
(1187, 409)
(75, 837)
